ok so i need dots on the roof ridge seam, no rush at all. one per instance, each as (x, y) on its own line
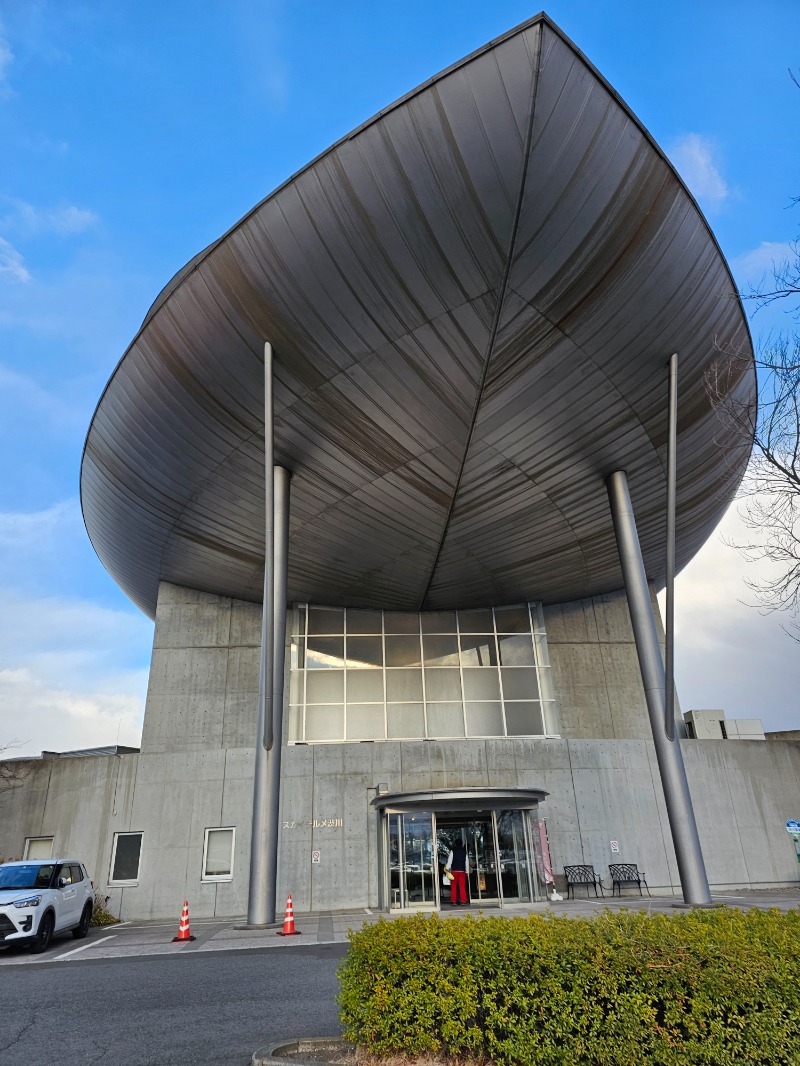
(498, 310)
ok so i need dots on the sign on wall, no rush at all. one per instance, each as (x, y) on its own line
(614, 847)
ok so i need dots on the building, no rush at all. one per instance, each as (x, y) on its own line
(471, 300)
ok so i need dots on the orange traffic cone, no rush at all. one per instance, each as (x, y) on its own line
(183, 928)
(288, 921)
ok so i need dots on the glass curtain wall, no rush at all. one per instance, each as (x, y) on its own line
(382, 675)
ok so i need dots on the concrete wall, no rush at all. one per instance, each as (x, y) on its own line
(599, 791)
(203, 687)
(195, 773)
(596, 676)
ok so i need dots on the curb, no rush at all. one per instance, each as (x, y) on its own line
(270, 1054)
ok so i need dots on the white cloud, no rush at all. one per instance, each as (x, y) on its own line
(69, 675)
(12, 263)
(728, 654)
(73, 673)
(45, 717)
(6, 59)
(693, 156)
(749, 268)
(64, 220)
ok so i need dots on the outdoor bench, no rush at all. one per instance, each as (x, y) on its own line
(626, 873)
(582, 875)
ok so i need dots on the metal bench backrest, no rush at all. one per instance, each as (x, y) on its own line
(624, 871)
(580, 875)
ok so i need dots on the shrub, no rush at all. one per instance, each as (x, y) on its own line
(718, 987)
(100, 913)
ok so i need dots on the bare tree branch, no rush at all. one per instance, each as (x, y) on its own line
(12, 772)
(770, 491)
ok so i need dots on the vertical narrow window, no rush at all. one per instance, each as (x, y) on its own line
(218, 854)
(125, 855)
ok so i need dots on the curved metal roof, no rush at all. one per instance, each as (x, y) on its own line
(471, 299)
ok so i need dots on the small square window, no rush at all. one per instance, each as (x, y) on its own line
(218, 854)
(125, 855)
(38, 848)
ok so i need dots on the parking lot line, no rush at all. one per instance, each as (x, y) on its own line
(83, 947)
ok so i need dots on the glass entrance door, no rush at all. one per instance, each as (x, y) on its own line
(412, 871)
(500, 861)
(476, 833)
(513, 860)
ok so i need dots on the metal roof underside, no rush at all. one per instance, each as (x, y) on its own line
(471, 299)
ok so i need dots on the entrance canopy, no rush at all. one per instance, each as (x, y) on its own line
(472, 299)
(443, 800)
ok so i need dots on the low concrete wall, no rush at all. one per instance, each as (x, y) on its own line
(599, 791)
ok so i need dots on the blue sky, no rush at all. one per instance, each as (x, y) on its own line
(133, 134)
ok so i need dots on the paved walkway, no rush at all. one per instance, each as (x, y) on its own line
(131, 939)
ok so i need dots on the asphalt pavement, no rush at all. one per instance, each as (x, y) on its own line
(129, 995)
(199, 1008)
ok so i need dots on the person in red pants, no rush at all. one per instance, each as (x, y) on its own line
(458, 865)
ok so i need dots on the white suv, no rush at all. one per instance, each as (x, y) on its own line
(41, 897)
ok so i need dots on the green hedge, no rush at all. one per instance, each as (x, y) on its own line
(716, 987)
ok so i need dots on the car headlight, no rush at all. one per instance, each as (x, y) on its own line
(30, 901)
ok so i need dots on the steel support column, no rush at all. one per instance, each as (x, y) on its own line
(257, 890)
(669, 620)
(281, 573)
(691, 868)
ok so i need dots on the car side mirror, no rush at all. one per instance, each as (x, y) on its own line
(62, 882)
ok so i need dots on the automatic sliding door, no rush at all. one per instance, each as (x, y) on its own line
(412, 870)
(512, 855)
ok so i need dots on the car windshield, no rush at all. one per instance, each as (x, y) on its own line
(31, 875)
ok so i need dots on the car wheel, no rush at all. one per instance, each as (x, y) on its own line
(41, 942)
(82, 928)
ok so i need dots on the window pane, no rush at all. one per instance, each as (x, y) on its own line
(325, 652)
(439, 622)
(126, 857)
(77, 874)
(298, 659)
(484, 720)
(512, 619)
(405, 720)
(516, 651)
(400, 622)
(445, 720)
(442, 685)
(325, 620)
(403, 685)
(39, 848)
(440, 651)
(403, 651)
(364, 652)
(296, 686)
(523, 719)
(365, 722)
(481, 684)
(364, 686)
(325, 723)
(475, 621)
(550, 716)
(363, 621)
(520, 683)
(325, 686)
(219, 853)
(295, 724)
(478, 651)
(540, 640)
